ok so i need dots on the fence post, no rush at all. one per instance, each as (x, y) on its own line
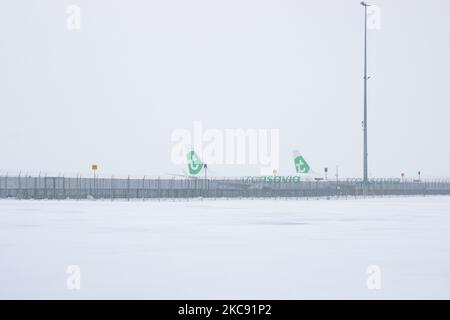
(159, 189)
(143, 188)
(64, 186)
(128, 188)
(111, 192)
(78, 186)
(54, 187)
(19, 190)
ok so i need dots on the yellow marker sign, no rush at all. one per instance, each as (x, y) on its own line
(94, 167)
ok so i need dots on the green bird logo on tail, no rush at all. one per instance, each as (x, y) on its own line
(301, 166)
(195, 165)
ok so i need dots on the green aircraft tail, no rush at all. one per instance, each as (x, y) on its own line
(301, 166)
(195, 165)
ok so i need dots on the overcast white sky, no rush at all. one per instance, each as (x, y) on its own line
(113, 92)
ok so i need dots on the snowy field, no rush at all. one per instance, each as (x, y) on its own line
(246, 249)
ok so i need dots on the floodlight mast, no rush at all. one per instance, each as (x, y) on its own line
(365, 153)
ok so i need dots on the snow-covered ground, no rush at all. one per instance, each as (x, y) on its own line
(246, 249)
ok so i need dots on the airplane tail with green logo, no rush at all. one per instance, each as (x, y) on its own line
(301, 166)
(195, 165)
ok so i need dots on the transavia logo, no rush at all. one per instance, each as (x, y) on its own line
(376, 180)
(271, 179)
(195, 165)
(301, 166)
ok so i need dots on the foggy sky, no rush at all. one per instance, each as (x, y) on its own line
(113, 92)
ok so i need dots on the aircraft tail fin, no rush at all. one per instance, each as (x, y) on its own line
(195, 165)
(301, 166)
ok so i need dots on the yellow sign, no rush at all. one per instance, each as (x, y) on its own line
(94, 167)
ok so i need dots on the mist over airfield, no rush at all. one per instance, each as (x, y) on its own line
(113, 92)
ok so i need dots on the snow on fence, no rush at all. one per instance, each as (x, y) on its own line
(44, 187)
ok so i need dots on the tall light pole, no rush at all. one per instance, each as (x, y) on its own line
(365, 174)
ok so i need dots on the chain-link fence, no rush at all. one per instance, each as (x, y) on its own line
(45, 187)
